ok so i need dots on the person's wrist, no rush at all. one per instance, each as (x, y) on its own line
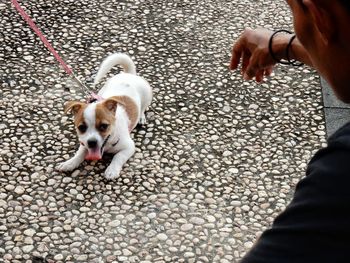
(289, 53)
(280, 43)
(282, 46)
(272, 44)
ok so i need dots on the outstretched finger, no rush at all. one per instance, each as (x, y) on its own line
(245, 60)
(252, 69)
(268, 71)
(237, 51)
(259, 76)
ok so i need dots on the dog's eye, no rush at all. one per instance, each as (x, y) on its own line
(82, 128)
(103, 127)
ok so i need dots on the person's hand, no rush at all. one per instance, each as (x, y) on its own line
(253, 48)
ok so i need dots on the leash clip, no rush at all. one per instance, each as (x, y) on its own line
(93, 97)
(81, 85)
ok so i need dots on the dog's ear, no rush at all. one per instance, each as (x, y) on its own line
(111, 104)
(127, 103)
(73, 106)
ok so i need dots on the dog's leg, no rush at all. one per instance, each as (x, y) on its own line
(74, 162)
(142, 120)
(119, 159)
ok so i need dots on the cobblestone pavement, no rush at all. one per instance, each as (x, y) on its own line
(217, 161)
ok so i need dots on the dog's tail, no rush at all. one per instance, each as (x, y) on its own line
(112, 60)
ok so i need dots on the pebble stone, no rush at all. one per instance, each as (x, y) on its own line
(19, 190)
(216, 162)
(162, 237)
(186, 227)
(29, 232)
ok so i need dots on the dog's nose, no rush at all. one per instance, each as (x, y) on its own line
(92, 143)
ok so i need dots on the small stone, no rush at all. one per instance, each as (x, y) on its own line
(254, 106)
(19, 190)
(27, 198)
(236, 203)
(152, 215)
(211, 219)
(245, 208)
(28, 240)
(189, 255)
(75, 173)
(173, 249)
(127, 252)
(51, 182)
(58, 257)
(233, 170)
(197, 220)
(215, 137)
(66, 180)
(28, 58)
(67, 227)
(8, 256)
(27, 249)
(162, 237)
(186, 227)
(203, 117)
(80, 197)
(82, 258)
(114, 223)
(18, 238)
(9, 187)
(5, 167)
(248, 244)
(93, 239)
(29, 232)
(146, 185)
(57, 229)
(122, 231)
(143, 49)
(227, 153)
(79, 231)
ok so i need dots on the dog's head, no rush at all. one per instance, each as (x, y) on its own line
(94, 123)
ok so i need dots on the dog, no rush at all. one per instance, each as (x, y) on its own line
(104, 125)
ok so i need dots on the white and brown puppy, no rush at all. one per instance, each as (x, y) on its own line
(105, 125)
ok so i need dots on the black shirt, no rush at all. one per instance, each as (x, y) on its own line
(315, 227)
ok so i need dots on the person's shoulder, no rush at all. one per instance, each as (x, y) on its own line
(337, 144)
(329, 166)
(341, 136)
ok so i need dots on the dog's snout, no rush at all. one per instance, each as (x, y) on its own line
(92, 143)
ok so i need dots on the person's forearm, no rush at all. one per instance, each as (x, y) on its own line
(296, 51)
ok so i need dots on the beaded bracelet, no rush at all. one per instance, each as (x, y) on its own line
(289, 61)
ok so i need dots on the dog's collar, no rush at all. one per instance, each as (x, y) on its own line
(114, 144)
(105, 142)
(94, 98)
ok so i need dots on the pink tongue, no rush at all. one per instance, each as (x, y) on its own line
(93, 155)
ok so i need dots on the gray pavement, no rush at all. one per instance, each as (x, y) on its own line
(217, 161)
(337, 113)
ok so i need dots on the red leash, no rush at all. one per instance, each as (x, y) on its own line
(47, 44)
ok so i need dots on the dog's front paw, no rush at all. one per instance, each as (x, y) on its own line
(67, 166)
(142, 119)
(112, 172)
